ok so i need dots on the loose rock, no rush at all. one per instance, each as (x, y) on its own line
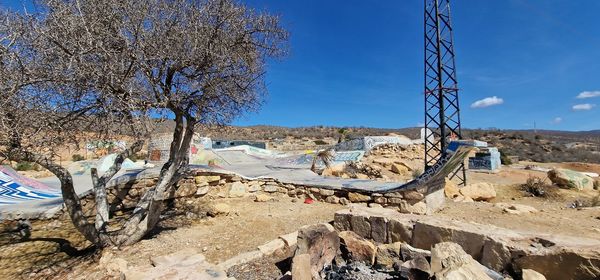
(237, 189)
(358, 248)
(387, 255)
(530, 274)
(357, 197)
(219, 209)
(321, 242)
(479, 191)
(262, 198)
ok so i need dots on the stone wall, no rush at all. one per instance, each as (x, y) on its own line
(216, 186)
(556, 257)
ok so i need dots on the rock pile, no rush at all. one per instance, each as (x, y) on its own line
(323, 253)
(386, 162)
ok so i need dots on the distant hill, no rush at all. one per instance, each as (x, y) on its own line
(540, 145)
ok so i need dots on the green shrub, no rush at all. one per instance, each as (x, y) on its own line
(138, 156)
(320, 142)
(504, 159)
(77, 157)
(25, 166)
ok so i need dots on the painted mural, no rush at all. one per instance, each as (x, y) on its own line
(15, 188)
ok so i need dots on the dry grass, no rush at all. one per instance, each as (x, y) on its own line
(538, 187)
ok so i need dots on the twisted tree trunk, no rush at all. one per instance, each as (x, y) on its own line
(99, 184)
(70, 198)
(147, 212)
(95, 233)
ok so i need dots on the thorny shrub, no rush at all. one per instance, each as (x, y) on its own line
(538, 187)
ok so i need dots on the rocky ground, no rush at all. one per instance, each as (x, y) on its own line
(246, 225)
(241, 224)
(387, 163)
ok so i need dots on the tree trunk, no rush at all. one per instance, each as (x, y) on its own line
(99, 184)
(147, 213)
(69, 195)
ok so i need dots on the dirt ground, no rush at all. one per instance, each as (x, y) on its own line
(248, 225)
(555, 216)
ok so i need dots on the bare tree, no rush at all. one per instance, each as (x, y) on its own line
(198, 62)
(45, 106)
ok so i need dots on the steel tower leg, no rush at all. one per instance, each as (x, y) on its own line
(442, 111)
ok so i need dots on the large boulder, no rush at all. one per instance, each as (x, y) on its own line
(321, 242)
(566, 178)
(358, 248)
(450, 262)
(479, 191)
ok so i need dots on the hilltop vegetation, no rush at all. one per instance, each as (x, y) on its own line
(540, 146)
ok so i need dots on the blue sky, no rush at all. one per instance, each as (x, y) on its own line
(356, 63)
(360, 63)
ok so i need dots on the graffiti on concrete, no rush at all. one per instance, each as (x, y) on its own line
(102, 147)
(345, 156)
(15, 188)
(369, 142)
(483, 163)
(434, 178)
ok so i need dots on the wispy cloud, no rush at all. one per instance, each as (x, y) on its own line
(557, 120)
(487, 102)
(588, 94)
(583, 107)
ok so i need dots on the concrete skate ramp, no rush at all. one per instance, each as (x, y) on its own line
(21, 197)
(238, 157)
(304, 161)
(433, 178)
(15, 188)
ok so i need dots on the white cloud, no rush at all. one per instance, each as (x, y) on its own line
(589, 94)
(557, 120)
(583, 107)
(487, 102)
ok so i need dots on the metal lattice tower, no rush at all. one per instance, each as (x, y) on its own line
(442, 112)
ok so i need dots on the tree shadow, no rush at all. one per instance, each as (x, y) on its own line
(64, 246)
